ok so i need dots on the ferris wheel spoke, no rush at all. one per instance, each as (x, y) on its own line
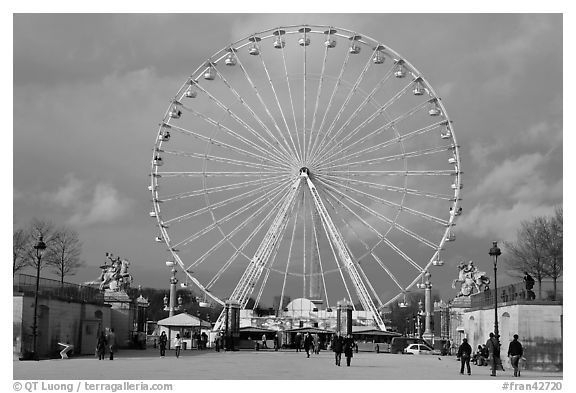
(209, 157)
(317, 103)
(235, 149)
(240, 250)
(380, 186)
(334, 90)
(216, 174)
(347, 101)
(225, 202)
(252, 273)
(317, 250)
(395, 157)
(270, 262)
(389, 142)
(382, 237)
(269, 194)
(314, 153)
(304, 246)
(330, 184)
(239, 120)
(326, 151)
(358, 260)
(241, 226)
(384, 218)
(213, 190)
(273, 88)
(369, 250)
(439, 172)
(337, 259)
(390, 125)
(267, 110)
(366, 100)
(288, 85)
(289, 258)
(276, 141)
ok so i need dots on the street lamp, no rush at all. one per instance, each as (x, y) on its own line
(427, 286)
(40, 247)
(418, 320)
(494, 253)
(173, 281)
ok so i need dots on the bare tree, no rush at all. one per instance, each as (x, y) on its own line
(552, 246)
(21, 244)
(526, 253)
(64, 253)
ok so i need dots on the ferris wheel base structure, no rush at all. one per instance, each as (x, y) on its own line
(252, 274)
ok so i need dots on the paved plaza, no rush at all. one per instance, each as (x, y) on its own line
(258, 365)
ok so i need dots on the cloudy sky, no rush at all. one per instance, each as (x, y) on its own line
(89, 91)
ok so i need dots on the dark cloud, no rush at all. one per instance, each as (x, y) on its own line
(90, 90)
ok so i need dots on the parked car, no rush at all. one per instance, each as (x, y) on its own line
(418, 349)
(398, 344)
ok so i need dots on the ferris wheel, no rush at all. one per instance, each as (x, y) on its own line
(306, 161)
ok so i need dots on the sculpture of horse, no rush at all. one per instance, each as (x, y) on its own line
(114, 276)
(470, 278)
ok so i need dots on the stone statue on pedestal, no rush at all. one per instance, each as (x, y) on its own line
(114, 277)
(470, 279)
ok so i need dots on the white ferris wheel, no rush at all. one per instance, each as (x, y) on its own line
(306, 161)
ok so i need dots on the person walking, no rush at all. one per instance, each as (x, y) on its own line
(177, 344)
(264, 345)
(515, 352)
(163, 341)
(307, 344)
(204, 340)
(217, 341)
(111, 343)
(493, 353)
(298, 341)
(276, 342)
(349, 349)
(464, 353)
(316, 340)
(337, 347)
(101, 346)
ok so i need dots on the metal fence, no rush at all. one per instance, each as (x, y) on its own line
(24, 283)
(517, 293)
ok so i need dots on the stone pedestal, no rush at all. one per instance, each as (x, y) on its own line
(122, 315)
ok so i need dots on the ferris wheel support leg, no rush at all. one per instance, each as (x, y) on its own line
(252, 274)
(344, 255)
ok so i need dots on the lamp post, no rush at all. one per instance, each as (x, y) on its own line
(418, 319)
(173, 281)
(494, 253)
(40, 247)
(427, 286)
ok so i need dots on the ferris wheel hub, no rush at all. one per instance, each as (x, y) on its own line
(304, 172)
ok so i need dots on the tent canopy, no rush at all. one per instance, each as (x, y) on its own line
(373, 331)
(308, 329)
(184, 320)
(254, 329)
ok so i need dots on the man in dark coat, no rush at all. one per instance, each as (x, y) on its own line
(464, 353)
(515, 352)
(348, 349)
(298, 341)
(308, 340)
(337, 347)
(493, 346)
